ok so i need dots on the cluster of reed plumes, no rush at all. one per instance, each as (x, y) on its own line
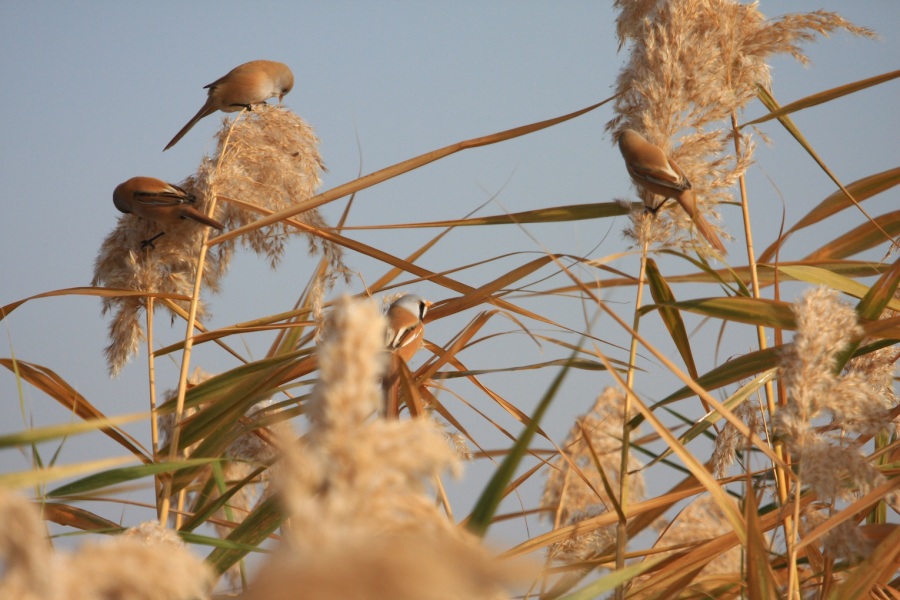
(771, 474)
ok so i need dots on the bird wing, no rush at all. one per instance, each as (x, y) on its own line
(218, 82)
(404, 336)
(400, 338)
(669, 178)
(173, 196)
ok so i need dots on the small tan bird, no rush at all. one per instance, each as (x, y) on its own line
(245, 85)
(404, 337)
(163, 203)
(652, 170)
(405, 331)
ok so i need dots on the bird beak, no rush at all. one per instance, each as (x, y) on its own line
(428, 306)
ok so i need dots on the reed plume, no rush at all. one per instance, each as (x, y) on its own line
(268, 159)
(692, 65)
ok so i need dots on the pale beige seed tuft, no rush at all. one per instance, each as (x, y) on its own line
(26, 571)
(151, 533)
(351, 360)
(421, 567)
(148, 562)
(730, 441)
(168, 268)
(829, 459)
(846, 541)
(135, 567)
(646, 228)
(272, 161)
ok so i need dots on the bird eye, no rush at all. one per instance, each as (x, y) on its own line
(423, 308)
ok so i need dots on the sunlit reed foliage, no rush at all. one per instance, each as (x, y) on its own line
(240, 460)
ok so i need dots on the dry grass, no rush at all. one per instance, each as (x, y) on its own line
(792, 499)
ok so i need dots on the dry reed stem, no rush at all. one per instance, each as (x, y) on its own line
(624, 466)
(186, 364)
(151, 384)
(781, 480)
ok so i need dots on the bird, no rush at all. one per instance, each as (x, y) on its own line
(404, 337)
(405, 329)
(652, 170)
(242, 87)
(163, 203)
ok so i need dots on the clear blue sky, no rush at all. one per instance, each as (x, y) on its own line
(96, 89)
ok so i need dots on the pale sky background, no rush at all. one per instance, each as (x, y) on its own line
(96, 89)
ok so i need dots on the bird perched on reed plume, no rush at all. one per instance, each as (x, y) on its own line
(651, 169)
(242, 87)
(163, 203)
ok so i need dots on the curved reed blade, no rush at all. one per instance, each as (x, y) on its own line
(400, 168)
(825, 96)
